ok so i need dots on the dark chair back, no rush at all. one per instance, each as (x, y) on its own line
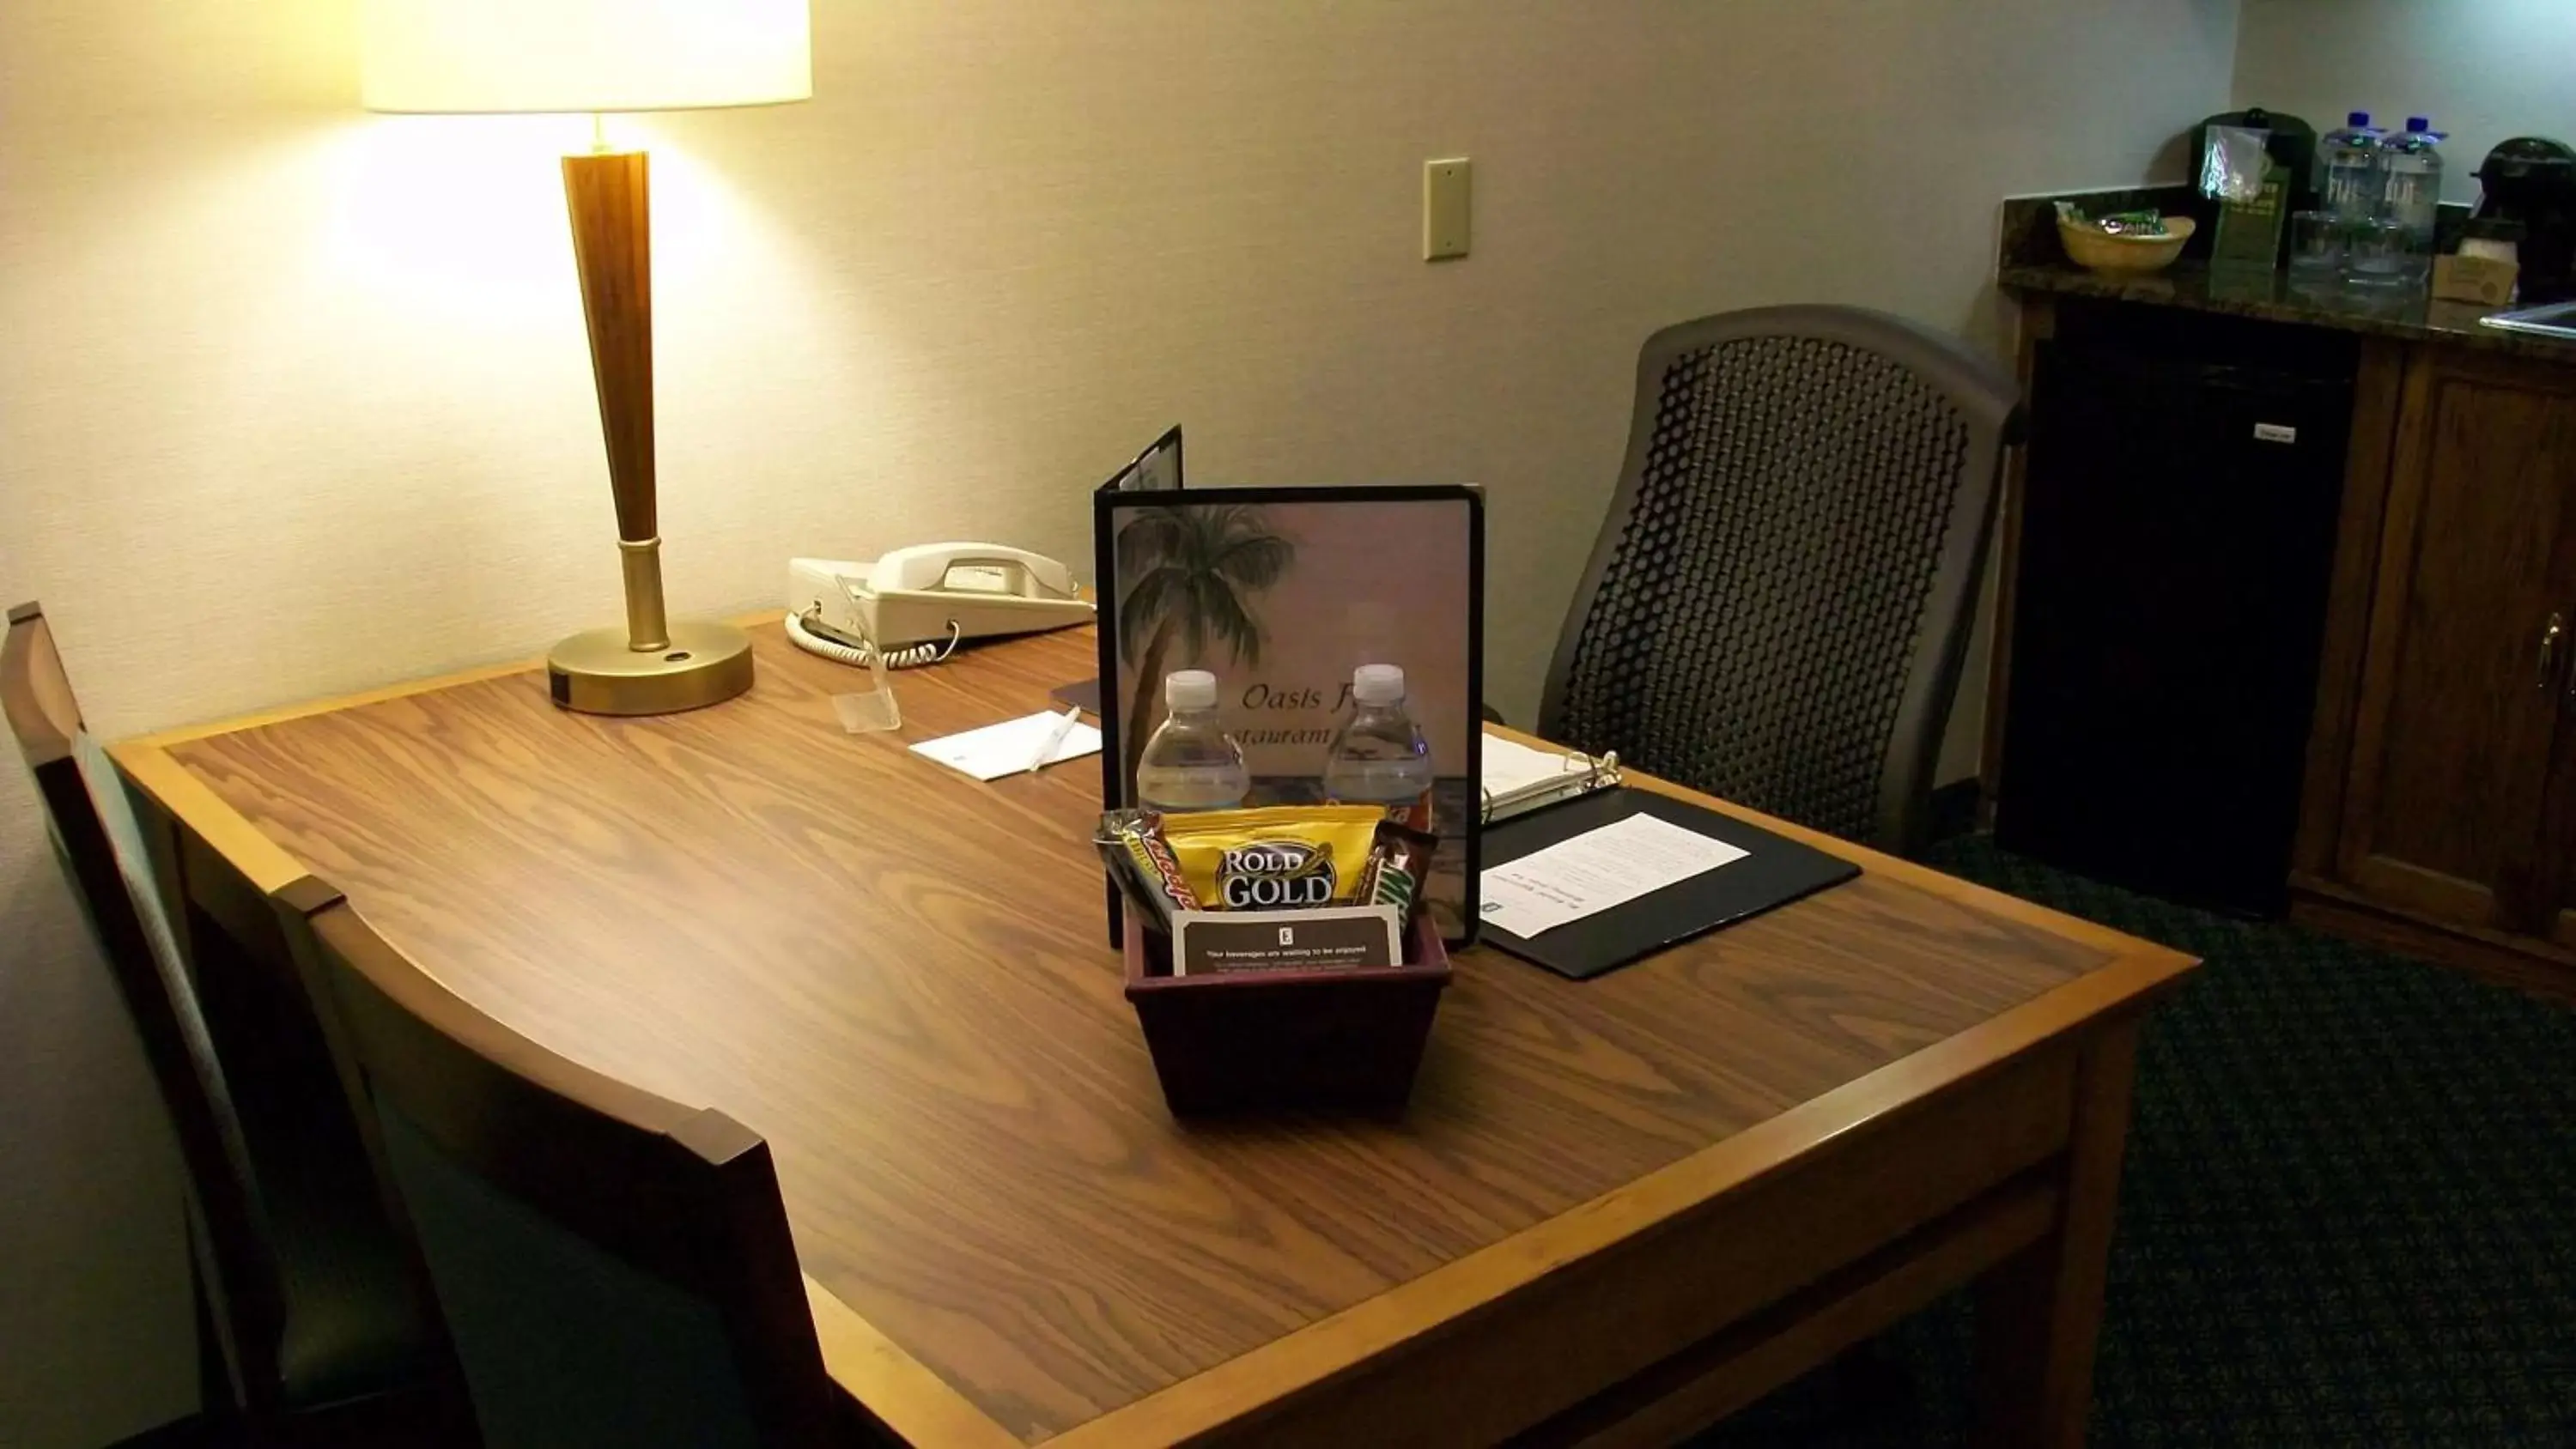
(301, 1281)
(99, 837)
(615, 1268)
(1780, 599)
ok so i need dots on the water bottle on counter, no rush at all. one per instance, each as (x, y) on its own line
(2347, 168)
(1191, 763)
(2411, 195)
(1378, 756)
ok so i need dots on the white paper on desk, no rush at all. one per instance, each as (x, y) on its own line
(1594, 871)
(1004, 749)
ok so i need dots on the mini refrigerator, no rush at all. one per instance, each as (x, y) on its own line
(2177, 535)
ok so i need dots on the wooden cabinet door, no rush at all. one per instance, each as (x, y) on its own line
(2558, 826)
(2452, 744)
(2558, 853)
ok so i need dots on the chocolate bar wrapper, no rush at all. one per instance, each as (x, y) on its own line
(1132, 848)
(1397, 864)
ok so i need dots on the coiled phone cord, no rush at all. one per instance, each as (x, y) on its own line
(910, 657)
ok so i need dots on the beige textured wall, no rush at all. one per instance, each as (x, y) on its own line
(293, 399)
(2483, 70)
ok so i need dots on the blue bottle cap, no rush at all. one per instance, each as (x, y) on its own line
(2358, 120)
(2418, 124)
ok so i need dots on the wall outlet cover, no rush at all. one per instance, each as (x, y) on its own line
(1445, 185)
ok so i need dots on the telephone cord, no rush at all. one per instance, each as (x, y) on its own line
(910, 657)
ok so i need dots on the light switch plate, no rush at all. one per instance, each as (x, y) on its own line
(1444, 208)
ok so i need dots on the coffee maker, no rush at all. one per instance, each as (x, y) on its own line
(2531, 182)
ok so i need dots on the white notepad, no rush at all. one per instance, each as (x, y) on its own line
(1004, 749)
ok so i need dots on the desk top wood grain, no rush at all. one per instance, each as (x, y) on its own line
(899, 976)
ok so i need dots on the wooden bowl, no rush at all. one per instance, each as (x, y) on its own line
(2102, 252)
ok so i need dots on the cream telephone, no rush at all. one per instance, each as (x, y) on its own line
(914, 605)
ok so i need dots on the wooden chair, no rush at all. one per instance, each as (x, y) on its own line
(615, 1267)
(306, 1305)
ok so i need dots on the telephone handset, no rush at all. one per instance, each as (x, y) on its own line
(914, 605)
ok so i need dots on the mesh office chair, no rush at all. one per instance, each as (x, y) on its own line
(311, 1330)
(615, 1267)
(1779, 601)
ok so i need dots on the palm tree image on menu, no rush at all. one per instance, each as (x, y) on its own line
(1189, 572)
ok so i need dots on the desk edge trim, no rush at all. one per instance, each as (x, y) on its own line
(899, 1390)
(196, 805)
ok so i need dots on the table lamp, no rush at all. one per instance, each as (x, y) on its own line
(599, 56)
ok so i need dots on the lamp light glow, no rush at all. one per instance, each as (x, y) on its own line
(606, 55)
(582, 55)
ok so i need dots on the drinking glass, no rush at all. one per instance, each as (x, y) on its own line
(2316, 247)
(2382, 253)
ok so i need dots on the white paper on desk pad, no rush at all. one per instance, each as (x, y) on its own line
(1596, 870)
(1004, 749)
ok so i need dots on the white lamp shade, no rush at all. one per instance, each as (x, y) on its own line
(583, 55)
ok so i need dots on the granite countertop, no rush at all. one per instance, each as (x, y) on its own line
(2032, 261)
(2269, 296)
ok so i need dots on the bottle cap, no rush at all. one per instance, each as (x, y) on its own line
(2417, 125)
(1378, 684)
(2358, 120)
(1189, 689)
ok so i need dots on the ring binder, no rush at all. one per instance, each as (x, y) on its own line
(1529, 785)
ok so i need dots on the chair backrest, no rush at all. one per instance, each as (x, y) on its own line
(101, 841)
(614, 1268)
(1779, 601)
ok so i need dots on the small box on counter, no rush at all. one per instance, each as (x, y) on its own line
(1286, 1039)
(2486, 281)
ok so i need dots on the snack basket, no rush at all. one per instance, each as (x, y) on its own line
(1270, 1041)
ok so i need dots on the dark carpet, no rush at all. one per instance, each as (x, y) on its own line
(2348, 1215)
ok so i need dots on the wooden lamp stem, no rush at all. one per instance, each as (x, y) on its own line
(609, 198)
(650, 666)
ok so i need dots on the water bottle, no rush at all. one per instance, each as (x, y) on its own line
(2410, 195)
(1378, 756)
(1191, 763)
(2348, 182)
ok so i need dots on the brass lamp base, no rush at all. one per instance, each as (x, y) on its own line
(599, 672)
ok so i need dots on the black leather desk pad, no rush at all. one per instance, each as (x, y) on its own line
(1774, 872)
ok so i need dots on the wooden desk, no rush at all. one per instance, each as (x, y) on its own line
(1613, 1211)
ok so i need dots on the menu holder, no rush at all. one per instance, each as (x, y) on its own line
(1283, 594)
